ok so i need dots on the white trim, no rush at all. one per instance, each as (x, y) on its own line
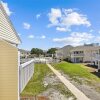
(18, 75)
(27, 63)
(10, 23)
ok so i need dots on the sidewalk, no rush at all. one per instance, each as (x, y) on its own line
(79, 95)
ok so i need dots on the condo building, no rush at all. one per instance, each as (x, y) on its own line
(88, 53)
(64, 52)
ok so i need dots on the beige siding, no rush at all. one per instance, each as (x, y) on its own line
(7, 32)
(64, 52)
(87, 55)
(8, 72)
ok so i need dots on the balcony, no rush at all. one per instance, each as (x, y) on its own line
(77, 55)
(96, 56)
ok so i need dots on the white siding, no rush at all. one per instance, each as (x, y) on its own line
(87, 55)
(7, 31)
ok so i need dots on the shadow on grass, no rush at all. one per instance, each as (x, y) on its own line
(92, 66)
(96, 73)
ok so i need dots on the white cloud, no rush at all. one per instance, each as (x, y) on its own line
(43, 37)
(38, 16)
(54, 15)
(61, 29)
(31, 36)
(66, 18)
(26, 25)
(75, 39)
(36, 37)
(5, 5)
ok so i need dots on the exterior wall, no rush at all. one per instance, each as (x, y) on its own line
(7, 31)
(8, 71)
(87, 55)
(64, 52)
(59, 54)
(86, 58)
(77, 57)
(99, 65)
(96, 57)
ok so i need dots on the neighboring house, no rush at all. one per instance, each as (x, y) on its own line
(89, 53)
(7, 31)
(24, 53)
(13, 76)
(96, 57)
(82, 53)
(9, 72)
(64, 52)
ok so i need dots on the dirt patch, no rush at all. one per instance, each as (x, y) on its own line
(55, 89)
(91, 91)
(51, 79)
(53, 94)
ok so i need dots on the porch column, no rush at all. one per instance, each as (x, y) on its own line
(96, 63)
(74, 60)
(99, 66)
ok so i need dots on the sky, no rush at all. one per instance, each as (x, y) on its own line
(54, 23)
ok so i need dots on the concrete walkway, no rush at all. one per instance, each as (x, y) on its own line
(78, 94)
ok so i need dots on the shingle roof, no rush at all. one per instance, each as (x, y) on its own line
(81, 48)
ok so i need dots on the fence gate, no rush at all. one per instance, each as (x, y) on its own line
(8, 71)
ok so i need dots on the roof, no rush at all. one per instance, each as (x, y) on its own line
(65, 47)
(82, 48)
(22, 50)
(11, 25)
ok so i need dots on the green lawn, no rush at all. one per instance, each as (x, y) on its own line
(76, 71)
(35, 85)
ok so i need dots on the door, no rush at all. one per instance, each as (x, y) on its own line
(8, 71)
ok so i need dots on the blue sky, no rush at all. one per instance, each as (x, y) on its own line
(54, 23)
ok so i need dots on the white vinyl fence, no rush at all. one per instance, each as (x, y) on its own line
(26, 71)
(43, 60)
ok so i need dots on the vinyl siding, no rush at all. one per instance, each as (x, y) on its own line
(7, 31)
(8, 71)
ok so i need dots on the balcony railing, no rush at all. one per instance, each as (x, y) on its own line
(96, 56)
(78, 55)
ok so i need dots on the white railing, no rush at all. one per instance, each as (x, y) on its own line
(26, 71)
(77, 55)
(96, 56)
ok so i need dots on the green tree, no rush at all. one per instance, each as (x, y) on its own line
(51, 50)
(37, 51)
